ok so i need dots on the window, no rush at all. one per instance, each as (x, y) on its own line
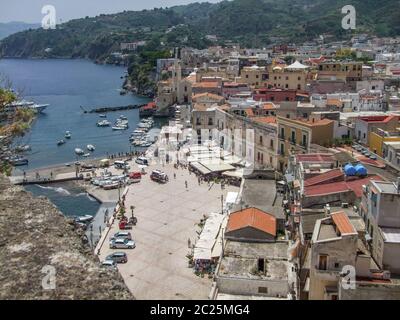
(323, 262)
(263, 290)
(256, 76)
(185, 88)
(210, 121)
(271, 144)
(261, 140)
(247, 76)
(286, 86)
(337, 265)
(198, 121)
(293, 137)
(261, 265)
(287, 78)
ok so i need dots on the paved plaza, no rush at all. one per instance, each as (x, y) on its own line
(167, 215)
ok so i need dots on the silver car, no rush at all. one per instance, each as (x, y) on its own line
(122, 244)
(121, 235)
(109, 264)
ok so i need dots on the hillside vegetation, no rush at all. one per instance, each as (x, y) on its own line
(250, 22)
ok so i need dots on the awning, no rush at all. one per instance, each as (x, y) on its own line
(199, 167)
(234, 174)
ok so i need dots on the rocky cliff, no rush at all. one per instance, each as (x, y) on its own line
(42, 256)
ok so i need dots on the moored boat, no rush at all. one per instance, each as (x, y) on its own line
(90, 147)
(60, 142)
(79, 151)
(67, 135)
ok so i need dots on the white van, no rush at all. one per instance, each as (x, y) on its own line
(142, 160)
(121, 165)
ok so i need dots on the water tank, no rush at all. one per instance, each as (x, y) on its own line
(349, 170)
(360, 170)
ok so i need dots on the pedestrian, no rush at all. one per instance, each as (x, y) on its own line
(174, 175)
(186, 184)
(51, 174)
(189, 243)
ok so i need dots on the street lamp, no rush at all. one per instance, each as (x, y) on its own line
(222, 204)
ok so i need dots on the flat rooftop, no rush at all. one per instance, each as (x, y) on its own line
(261, 195)
(241, 260)
(385, 186)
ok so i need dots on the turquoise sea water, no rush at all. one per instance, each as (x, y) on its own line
(67, 85)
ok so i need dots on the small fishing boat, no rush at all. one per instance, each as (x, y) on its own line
(85, 218)
(122, 117)
(102, 115)
(60, 142)
(86, 155)
(103, 123)
(19, 161)
(23, 148)
(67, 135)
(120, 127)
(79, 151)
(90, 147)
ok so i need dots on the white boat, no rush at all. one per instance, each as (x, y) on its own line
(22, 148)
(79, 151)
(103, 123)
(102, 115)
(119, 127)
(85, 218)
(27, 105)
(67, 135)
(122, 117)
(86, 155)
(90, 147)
(61, 142)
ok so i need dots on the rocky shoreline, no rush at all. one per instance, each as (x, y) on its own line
(36, 237)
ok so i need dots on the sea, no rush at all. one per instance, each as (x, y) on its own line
(69, 87)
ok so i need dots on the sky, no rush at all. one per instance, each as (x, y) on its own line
(30, 10)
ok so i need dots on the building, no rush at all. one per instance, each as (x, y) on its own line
(333, 246)
(363, 126)
(380, 208)
(253, 270)
(377, 139)
(340, 70)
(254, 76)
(251, 225)
(297, 135)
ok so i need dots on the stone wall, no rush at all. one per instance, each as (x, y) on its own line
(35, 239)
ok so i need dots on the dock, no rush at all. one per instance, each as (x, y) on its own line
(62, 177)
(112, 108)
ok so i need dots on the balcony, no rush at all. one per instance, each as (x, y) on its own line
(282, 136)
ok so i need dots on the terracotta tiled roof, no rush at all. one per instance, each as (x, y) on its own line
(208, 84)
(339, 187)
(342, 222)
(252, 217)
(323, 177)
(315, 157)
(209, 95)
(270, 119)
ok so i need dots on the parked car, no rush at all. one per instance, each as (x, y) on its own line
(159, 176)
(118, 257)
(109, 264)
(142, 160)
(122, 244)
(121, 235)
(373, 157)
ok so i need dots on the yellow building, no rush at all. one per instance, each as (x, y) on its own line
(292, 77)
(378, 137)
(340, 70)
(254, 76)
(296, 136)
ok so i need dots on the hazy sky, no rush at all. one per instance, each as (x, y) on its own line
(30, 10)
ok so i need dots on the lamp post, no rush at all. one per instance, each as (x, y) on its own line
(132, 208)
(222, 204)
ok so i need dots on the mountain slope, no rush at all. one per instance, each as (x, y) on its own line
(251, 22)
(9, 28)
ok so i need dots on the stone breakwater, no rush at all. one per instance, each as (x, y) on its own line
(35, 235)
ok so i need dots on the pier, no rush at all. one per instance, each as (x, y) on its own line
(112, 108)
